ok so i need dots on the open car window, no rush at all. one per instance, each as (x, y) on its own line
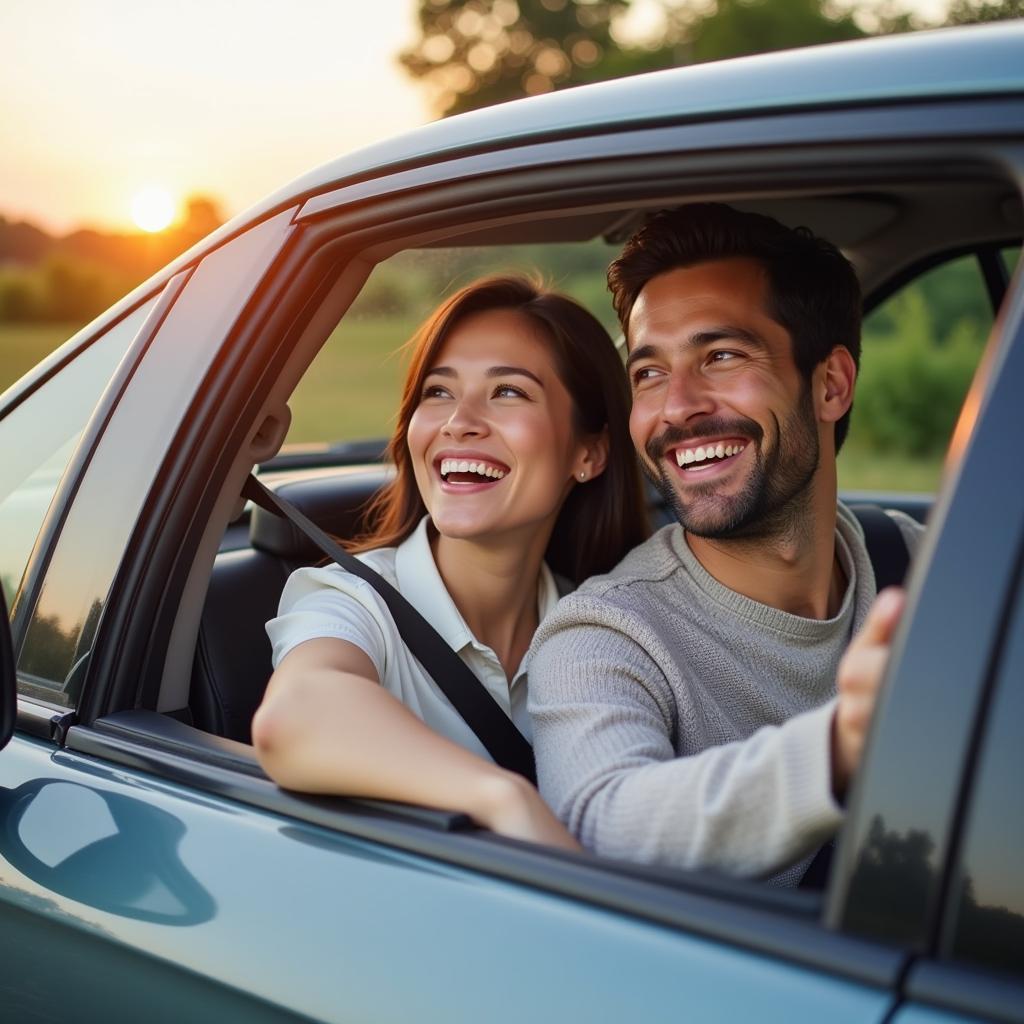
(351, 390)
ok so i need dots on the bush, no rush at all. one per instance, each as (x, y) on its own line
(910, 391)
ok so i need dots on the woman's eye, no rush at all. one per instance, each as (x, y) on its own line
(508, 391)
(435, 391)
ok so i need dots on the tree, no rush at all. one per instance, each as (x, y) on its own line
(967, 12)
(477, 52)
(736, 28)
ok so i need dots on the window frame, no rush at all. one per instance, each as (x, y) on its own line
(223, 412)
(79, 461)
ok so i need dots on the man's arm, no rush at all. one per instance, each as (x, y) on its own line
(604, 718)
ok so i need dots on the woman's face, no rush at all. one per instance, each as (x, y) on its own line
(492, 441)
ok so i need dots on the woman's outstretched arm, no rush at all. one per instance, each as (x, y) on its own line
(326, 725)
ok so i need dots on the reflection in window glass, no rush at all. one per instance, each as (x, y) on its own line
(39, 437)
(351, 390)
(920, 350)
(987, 921)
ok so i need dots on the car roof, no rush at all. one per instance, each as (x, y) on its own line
(970, 61)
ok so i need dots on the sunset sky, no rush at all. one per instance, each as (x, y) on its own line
(228, 98)
(107, 101)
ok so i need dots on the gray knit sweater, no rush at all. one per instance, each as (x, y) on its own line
(679, 722)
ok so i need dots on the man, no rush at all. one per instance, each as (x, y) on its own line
(685, 706)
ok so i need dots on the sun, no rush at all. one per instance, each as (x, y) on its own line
(153, 208)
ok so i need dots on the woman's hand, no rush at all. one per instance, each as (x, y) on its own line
(506, 803)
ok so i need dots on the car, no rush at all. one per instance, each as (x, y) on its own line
(149, 870)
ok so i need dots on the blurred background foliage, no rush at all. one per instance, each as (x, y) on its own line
(472, 53)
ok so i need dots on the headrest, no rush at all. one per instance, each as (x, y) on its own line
(335, 501)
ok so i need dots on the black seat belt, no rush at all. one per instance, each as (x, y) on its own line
(886, 547)
(889, 559)
(480, 711)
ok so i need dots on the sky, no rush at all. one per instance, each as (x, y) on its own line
(230, 99)
(227, 98)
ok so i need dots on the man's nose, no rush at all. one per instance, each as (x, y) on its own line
(466, 420)
(686, 395)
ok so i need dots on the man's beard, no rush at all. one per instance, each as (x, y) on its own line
(772, 501)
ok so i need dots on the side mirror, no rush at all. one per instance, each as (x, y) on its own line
(8, 677)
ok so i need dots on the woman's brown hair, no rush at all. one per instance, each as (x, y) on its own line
(600, 520)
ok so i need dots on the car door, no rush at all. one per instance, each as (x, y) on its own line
(83, 438)
(169, 880)
(931, 852)
(976, 967)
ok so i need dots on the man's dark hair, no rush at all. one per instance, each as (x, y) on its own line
(813, 289)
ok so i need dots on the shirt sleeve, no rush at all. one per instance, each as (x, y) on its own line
(604, 716)
(329, 602)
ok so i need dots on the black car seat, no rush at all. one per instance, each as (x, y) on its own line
(232, 659)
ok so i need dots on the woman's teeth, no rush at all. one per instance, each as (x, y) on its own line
(465, 466)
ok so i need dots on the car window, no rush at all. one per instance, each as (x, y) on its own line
(919, 352)
(986, 926)
(399, 294)
(39, 437)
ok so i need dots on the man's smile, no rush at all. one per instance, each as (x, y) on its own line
(701, 457)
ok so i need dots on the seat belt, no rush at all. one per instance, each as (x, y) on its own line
(479, 710)
(886, 547)
(889, 559)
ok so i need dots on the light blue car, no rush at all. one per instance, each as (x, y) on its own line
(150, 872)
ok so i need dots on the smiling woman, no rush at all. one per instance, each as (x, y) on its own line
(512, 424)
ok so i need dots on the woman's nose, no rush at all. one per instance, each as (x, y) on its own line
(465, 421)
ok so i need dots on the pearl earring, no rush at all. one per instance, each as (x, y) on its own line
(583, 475)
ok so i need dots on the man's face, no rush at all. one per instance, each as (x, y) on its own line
(722, 420)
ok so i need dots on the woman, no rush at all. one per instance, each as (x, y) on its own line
(513, 463)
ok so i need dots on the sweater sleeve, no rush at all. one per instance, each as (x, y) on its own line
(604, 721)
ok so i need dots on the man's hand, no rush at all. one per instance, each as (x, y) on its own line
(860, 676)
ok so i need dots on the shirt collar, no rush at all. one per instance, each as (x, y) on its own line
(420, 583)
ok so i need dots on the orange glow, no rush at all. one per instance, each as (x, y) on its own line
(153, 208)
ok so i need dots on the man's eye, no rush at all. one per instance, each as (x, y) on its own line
(644, 373)
(722, 355)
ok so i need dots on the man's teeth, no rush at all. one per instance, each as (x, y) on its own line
(684, 456)
(464, 466)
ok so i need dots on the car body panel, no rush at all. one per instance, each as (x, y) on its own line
(351, 928)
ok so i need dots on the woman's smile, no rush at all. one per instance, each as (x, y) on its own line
(460, 470)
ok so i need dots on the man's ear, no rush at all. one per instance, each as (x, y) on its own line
(593, 456)
(834, 382)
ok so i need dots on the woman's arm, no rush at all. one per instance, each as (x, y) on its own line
(326, 725)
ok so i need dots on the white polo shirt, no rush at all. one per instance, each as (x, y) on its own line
(330, 602)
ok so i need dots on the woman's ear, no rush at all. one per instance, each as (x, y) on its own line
(834, 392)
(592, 457)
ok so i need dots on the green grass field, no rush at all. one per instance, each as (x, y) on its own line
(24, 345)
(352, 390)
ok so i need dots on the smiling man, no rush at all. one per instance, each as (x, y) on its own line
(703, 705)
